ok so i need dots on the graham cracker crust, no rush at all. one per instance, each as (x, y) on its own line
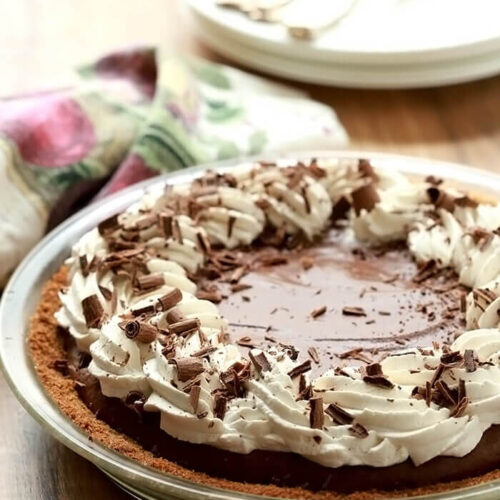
(46, 345)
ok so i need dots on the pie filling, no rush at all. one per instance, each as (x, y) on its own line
(323, 325)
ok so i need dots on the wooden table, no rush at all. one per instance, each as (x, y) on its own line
(41, 40)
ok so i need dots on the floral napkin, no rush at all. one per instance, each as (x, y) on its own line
(132, 115)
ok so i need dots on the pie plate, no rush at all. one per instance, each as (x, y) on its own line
(22, 295)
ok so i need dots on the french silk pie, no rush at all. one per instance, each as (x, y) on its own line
(300, 329)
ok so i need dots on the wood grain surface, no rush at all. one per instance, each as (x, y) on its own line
(40, 40)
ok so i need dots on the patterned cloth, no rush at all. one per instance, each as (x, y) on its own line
(128, 118)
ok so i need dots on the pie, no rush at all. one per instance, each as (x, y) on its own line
(304, 329)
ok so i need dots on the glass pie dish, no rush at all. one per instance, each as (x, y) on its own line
(23, 294)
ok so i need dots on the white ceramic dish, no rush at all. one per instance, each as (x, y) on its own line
(22, 294)
(378, 45)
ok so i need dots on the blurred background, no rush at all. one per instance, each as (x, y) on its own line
(43, 40)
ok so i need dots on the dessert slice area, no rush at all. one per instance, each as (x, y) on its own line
(326, 309)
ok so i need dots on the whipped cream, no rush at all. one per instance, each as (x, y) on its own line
(393, 422)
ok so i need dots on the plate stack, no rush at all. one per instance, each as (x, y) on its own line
(366, 43)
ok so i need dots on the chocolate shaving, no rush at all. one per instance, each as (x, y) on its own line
(187, 368)
(245, 342)
(61, 365)
(204, 351)
(93, 311)
(366, 170)
(233, 377)
(149, 282)
(316, 415)
(165, 223)
(437, 374)
(260, 362)
(427, 270)
(483, 297)
(441, 199)
(435, 181)
(470, 361)
(307, 203)
(312, 351)
(108, 225)
(134, 397)
(209, 291)
(353, 311)
(365, 198)
(177, 232)
(318, 311)
(184, 327)
(169, 300)
(463, 303)
(239, 287)
(84, 265)
(315, 170)
(194, 397)
(106, 292)
(451, 359)
(305, 389)
(445, 392)
(339, 415)
(203, 242)
(302, 368)
(237, 274)
(220, 405)
(358, 430)
(428, 393)
(144, 311)
(230, 224)
(375, 376)
(273, 260)
(460, 408)
(462, 391)
(340, 209)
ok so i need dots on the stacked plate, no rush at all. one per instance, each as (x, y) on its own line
(376, 44)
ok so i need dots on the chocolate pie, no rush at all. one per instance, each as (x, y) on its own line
(304, 329)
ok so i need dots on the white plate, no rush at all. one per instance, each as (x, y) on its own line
(355, 76)
(402, 43)
(22, 295)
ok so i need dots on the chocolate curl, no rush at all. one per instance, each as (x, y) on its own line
(184, 327)
(169, 300)
(339, 415)
(220, 406)
(194, 397)
(138, 330)
(340, 209)
(299, 369)
(316, 415)
(93, 311)
(187, 368)
(150, 282)
(260, 362)
(366, 170)
(365, 198)
(108, 225)
(175, 316)
(441, 199)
